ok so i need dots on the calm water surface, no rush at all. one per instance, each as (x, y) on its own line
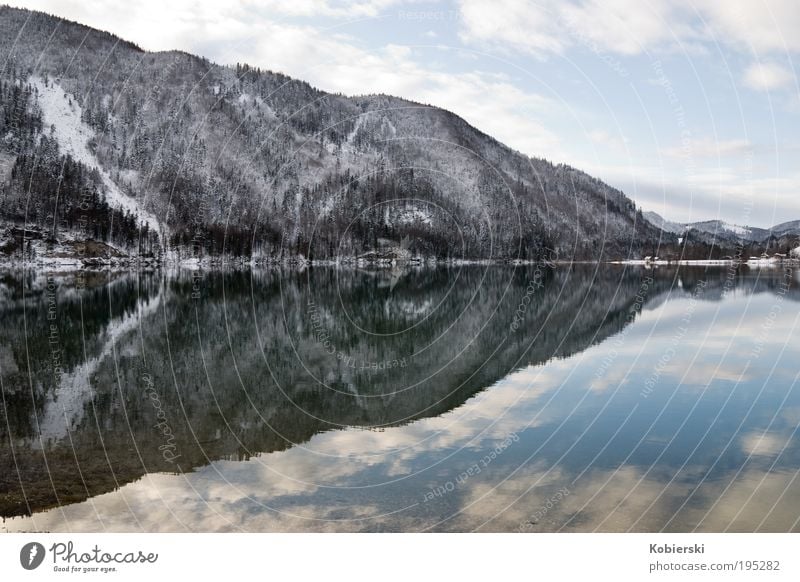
(592, 398)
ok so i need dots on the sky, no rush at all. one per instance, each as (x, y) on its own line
(691, 107)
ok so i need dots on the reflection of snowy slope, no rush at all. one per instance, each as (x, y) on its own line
(63, 409)
(64, 115)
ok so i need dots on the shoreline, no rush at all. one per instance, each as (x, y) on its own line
(241, 263)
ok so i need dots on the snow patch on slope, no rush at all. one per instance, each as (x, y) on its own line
(349, 142)
(63, 113)
(407, 215)
(736, 229)
(253, 100)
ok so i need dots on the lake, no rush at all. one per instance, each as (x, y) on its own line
(473, 398)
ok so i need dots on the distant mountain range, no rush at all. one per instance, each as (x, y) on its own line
(725, 230)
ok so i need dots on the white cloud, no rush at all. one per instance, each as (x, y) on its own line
(767, 76)
(329, 8)
(621, 26)
(757, 26)
(551, 26)
(709, 148)
(631, 27)
(603, 138)
(530, 27)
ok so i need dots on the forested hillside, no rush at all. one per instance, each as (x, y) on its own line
(155, 152)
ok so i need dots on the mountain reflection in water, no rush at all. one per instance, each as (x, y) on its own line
(448, 399)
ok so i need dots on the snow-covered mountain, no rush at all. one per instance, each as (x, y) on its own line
(725, 230)
(152, 149)
(791, 227)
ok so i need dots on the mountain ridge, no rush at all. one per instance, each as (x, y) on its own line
(187, 158)
(725, 229)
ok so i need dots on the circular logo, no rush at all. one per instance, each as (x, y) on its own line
(31, 555)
